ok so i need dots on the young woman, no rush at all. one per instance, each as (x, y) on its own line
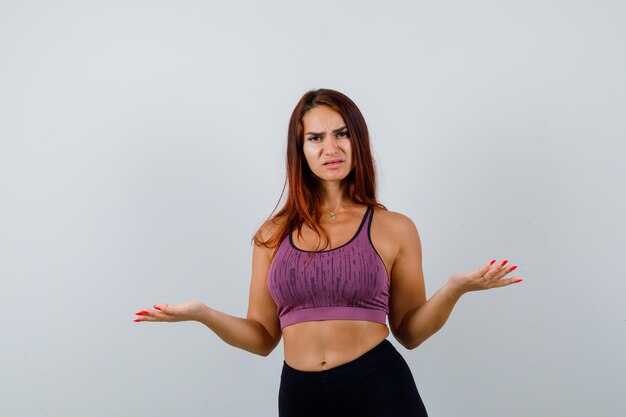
(327, 271)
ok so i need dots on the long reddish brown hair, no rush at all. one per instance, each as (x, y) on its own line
(305, 194)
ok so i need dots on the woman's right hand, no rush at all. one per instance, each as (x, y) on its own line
(188, 311)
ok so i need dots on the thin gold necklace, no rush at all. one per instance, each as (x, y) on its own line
(333, 216)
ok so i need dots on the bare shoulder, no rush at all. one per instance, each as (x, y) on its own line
(266, 231)
(392, 234)
(395, 222)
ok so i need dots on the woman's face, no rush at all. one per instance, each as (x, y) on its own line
(327, 145)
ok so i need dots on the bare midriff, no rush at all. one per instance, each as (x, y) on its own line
(325, 344)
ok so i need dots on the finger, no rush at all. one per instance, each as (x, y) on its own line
(485, 268)
(496, 269)
(139, 319)
(504, 271)
(483, 272)
(164, 308)
(507, 281)
(151, 316)
(142, 315)
(139, 315)
(148, 313)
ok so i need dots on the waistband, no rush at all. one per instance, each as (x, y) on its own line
(343, 375)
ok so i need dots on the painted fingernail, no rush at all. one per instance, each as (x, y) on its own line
(518, 280)
(136, 320)
(141, 313)
(512, 268)
(504, 262)
(155, 306)
(491, 263)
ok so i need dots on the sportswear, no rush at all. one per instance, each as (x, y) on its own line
(348, 282)
(378, 383)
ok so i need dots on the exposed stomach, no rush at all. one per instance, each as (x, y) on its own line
(325, 344)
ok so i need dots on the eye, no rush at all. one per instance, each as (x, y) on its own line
(313, 138)
(344, 134)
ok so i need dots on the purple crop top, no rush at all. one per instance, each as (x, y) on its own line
(345, 283)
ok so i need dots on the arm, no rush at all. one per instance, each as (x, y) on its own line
(412, 318)
(258, 333)
(421, 322)
(246, 334)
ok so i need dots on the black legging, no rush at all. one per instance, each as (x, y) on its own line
(378, 383)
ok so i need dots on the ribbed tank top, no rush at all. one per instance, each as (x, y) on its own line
(345, 283)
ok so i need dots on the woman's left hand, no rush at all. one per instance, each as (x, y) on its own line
(485, 277)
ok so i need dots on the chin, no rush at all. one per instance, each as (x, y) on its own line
(339, 177)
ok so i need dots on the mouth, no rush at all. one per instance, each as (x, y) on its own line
(333, 162)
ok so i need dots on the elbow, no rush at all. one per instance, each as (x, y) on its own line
(266, 341)
(411, 346)
(411, 343)
(269, 348)
(256, 350)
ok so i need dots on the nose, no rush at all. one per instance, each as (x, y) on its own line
(330, 147)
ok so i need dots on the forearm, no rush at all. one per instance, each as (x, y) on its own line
(241, 333)
(421, 323)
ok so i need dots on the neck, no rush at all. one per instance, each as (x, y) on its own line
(334, 198)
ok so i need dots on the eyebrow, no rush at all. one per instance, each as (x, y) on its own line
(321, 133)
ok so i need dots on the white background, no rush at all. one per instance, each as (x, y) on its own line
(142, 143)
